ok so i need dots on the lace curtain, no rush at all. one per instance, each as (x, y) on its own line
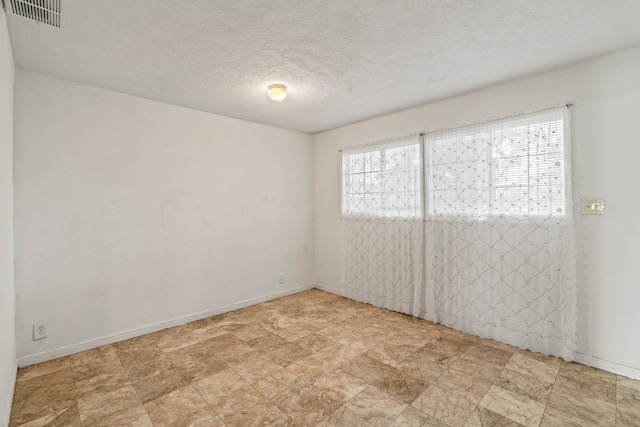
(499, 231)
(383, 228)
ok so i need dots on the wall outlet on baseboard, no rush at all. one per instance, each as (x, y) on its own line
(281, 278)
(39, 330)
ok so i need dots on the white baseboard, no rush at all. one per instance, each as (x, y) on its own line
(44, 356)
(132, 333)
(330, 289)
(605, 365)
(9, 403)
(428, 316)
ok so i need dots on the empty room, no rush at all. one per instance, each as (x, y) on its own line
(319, 213)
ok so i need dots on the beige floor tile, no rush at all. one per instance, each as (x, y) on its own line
(367, 368)
(463, 385)
(491, 354)
(587, 386)
(134, 346)
(236, 354)
(277, 322)
(391, 354)
(133, 417)
(587, 371)
(567, 405)
(447, 407)
(483, 417)
(311, 368)
(95, 362)
(550, 360)
(217, 386)
(68, 416)
(359, 342)
(376, 407)
(143, 361)
(16, 407)
(627, 402)
(37, 370)
(401, 385)
(307, 406)
(627, 385)
(45, 394)
(103, 382)
(201, 418)
(155, 386)
(513, 406)
(477, 368)
(272, 417)
(403, 339)
(521, 362)
(114, 407)
(554, 417)
(256, 368)
(204, 330)
(524, 385)
(174, 406)
(317, 320)
(340, 386)
(278, 382)
(423, 330)
(450, 343)
(293, 333)
(411, 417)
(195, 362)
(172, 339)
(222, 343)
(336, 333)
(267, 342)
(313, 343)
(496, 344)
(338, 354)
(379, 332)
(343, 417)
(627, 416)
(443, 351)
(287, 354)
(246, 407)
(315, 357)
(422, 367)
(250, 332)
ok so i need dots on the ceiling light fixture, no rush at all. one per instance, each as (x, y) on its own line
(277, 92)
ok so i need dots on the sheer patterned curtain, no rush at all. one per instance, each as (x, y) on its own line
(383, 228)
(499, 231)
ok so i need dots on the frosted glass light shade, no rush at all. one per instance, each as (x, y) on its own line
(277, 92)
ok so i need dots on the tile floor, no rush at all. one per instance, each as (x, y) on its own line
(318, 359)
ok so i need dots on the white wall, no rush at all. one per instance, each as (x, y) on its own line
(606, 153)
(7, 289)
(132, 215)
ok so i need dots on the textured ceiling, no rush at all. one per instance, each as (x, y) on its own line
(343, 61)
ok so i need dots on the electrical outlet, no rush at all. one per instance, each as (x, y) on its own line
(281, 278)
(39, 331)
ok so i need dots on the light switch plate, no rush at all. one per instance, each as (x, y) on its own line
(592, 206)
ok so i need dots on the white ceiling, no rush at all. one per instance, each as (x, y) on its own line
(343, 61)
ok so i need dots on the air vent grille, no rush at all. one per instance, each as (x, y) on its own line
(45, 11)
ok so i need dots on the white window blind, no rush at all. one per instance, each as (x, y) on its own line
(511, 167)
(384, 180)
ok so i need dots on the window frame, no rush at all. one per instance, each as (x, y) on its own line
(382, 148)
(478, 129)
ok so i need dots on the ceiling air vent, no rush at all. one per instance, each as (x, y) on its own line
(45, 11)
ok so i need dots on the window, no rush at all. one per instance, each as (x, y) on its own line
(513, 167)
(383, 180)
